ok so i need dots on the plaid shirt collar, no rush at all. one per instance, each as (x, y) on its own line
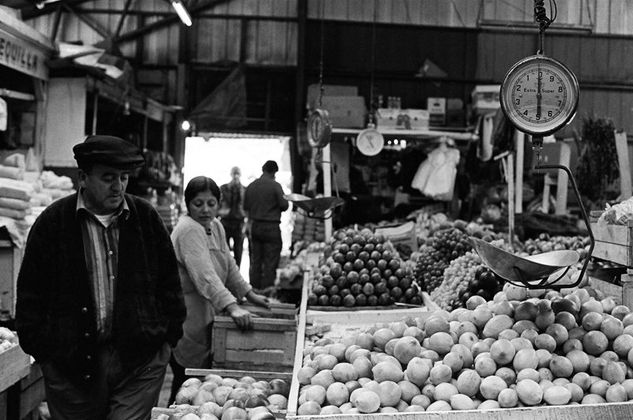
(124, 210)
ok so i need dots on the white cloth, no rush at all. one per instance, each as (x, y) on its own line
(435, 176)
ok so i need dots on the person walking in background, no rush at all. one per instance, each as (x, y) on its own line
(232, 213)
(263, 203)
(210, 278)
(99, 301)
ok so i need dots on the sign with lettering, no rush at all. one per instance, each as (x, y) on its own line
(22, 56)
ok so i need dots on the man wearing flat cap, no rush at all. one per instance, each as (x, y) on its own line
(263, 203)
(99, 301)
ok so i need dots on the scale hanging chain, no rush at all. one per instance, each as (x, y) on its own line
(540, 16)
(322, 41)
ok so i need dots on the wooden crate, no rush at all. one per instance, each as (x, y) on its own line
(613, 242)
(26, 395)
(225, 373)
(14, 365)
(269, 345)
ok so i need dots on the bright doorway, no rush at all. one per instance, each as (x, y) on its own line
(216, 153)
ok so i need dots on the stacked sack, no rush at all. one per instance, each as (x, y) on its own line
(15, 198)
(307, 229)
(15, 193)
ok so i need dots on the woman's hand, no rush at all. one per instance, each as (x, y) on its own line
(257, 299)
(241, 316)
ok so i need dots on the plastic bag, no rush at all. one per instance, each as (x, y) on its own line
(435, 176)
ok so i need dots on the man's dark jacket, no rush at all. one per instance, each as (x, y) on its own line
(55, 313)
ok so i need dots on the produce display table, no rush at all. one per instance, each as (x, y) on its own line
(349, 321)
(614, 243)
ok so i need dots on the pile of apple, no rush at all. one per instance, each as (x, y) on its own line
(521, 349)
(362, 269)
(215, 397)
(8, 339)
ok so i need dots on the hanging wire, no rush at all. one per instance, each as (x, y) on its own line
(372, 100)
(322, 41)
(540, 16)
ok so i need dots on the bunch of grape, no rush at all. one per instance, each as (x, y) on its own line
(457, 276)
(440, 249)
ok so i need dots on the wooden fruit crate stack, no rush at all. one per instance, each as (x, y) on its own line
(614, 243)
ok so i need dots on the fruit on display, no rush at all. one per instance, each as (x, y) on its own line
(8, 339)
(435, 255)
(465, 276)
(217, 397)
(546, 243)
(523, 348)
(362, 269)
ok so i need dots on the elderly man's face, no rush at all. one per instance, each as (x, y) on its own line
(103, 188)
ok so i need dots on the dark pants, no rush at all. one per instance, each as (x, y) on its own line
(116, 394)
(264, 249)
(178, 379)
(235, 229)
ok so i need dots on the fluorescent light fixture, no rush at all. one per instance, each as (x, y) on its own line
(182, 12)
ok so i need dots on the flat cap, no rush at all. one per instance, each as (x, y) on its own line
(270, 166)
(108, 150)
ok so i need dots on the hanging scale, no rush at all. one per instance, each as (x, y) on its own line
(539, 95)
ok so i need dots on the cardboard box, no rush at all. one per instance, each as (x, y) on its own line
(346, 111)
(312, 100)
(485, 98)
(411, 119)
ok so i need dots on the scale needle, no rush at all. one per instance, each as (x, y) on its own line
(538, 94)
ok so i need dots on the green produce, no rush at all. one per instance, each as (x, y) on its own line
(459, 274)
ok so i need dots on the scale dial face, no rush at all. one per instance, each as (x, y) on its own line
(319, 128)
(370, 142)
(539, 95)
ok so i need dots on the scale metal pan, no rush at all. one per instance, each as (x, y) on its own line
(521, 269)
(314, 205)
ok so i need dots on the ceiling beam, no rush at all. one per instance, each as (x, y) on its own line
(89, 21)
(170, 20)
(31, 12)
(128, 4)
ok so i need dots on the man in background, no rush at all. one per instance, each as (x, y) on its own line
(232, 213)
(264, 203)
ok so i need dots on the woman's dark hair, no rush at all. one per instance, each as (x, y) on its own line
(198, 185)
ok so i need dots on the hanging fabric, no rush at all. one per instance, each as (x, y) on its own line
(436, 175)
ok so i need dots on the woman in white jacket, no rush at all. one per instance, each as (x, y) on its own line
(210, 279)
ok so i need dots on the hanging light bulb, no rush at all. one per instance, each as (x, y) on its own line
(182, 12)
(185, 125)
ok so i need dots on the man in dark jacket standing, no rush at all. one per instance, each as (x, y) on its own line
(99, 301)
(263, 203)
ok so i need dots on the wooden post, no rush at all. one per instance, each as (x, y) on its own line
(622, 149)
(510, 180)
(327, 186)
(627, 288)
(518, 192)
